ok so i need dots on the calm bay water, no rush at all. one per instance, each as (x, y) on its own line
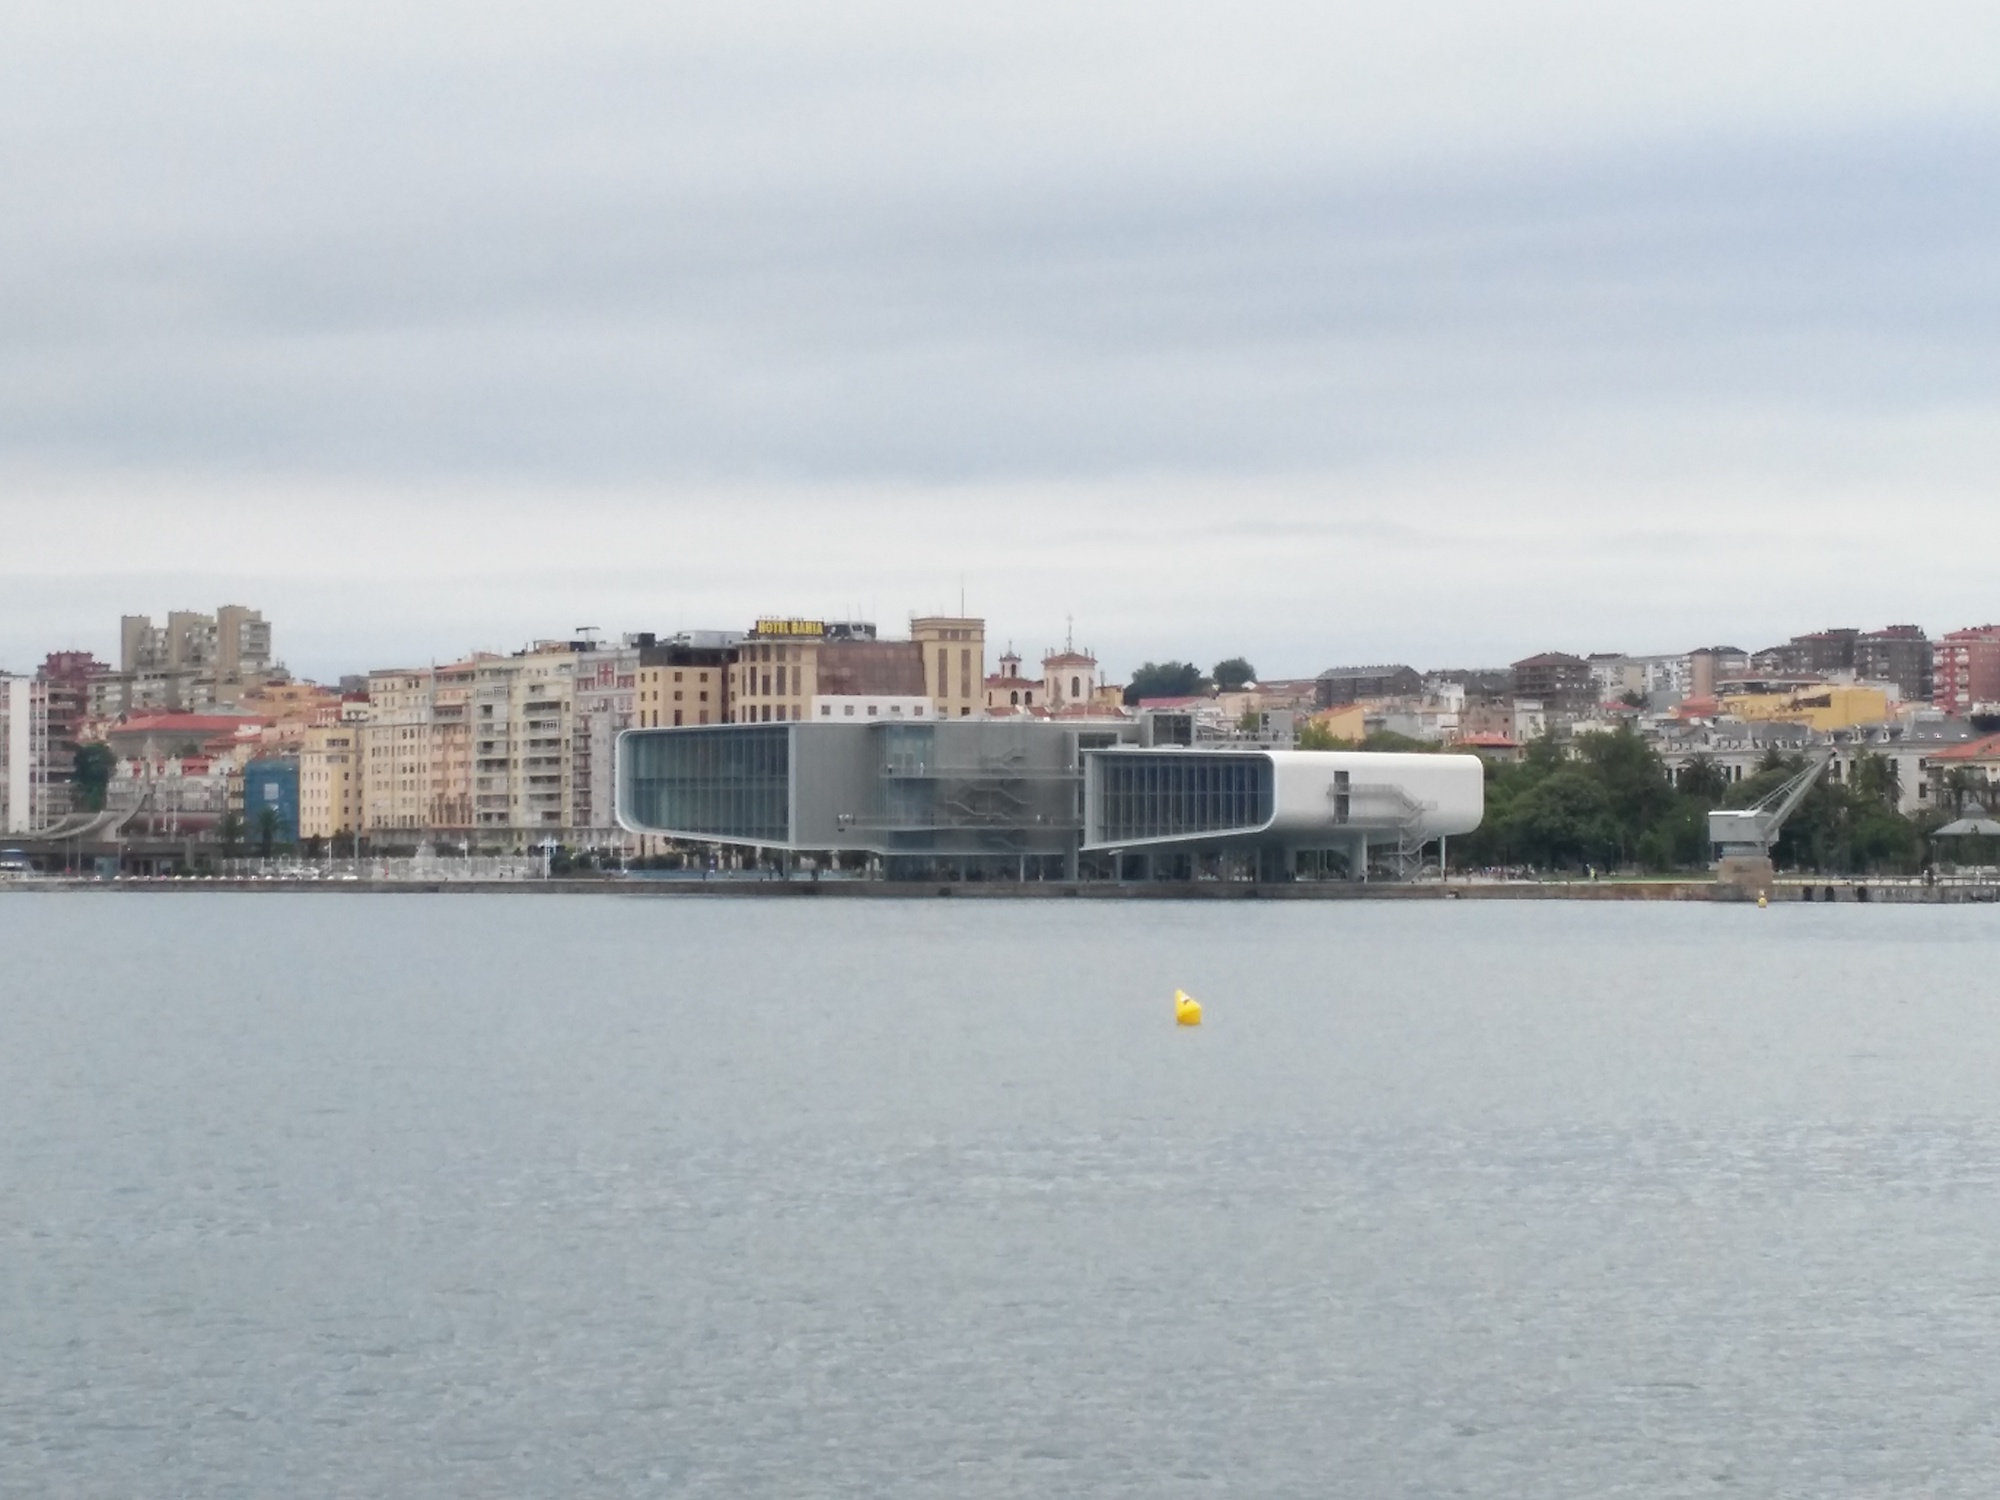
(442, 1196)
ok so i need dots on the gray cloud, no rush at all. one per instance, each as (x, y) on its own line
(1374, 308)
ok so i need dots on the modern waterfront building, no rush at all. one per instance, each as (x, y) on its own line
(1042, 799)
(1331, 810)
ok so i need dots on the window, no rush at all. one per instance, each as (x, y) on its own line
(944, 673)
(677, 677)
(677, 715)
(734, 785)
(965, 674)
(767, 683)
(1174, 795)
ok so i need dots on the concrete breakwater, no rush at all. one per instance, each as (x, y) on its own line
(1838, 891)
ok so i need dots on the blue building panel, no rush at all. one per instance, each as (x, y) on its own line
(271, 785)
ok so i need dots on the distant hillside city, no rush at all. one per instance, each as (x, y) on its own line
(198, 738)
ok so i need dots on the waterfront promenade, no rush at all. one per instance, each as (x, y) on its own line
(1891, 890)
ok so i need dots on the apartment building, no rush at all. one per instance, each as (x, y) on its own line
(783, 665)
(1556, 679)
(24, 754)
(1900, 654)
(606, 698)
(685, 681)
(452, 687)
(193, 661)
(68, 676)
(1965, 669)
(523, 707)
(330, 779)
(396, 760)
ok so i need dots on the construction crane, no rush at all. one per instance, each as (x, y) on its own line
(1749, 832)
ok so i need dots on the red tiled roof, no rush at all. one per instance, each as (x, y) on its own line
(1490, 741)
(192, 724)
(1987, 747)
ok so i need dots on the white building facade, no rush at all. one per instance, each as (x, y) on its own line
(24, 754)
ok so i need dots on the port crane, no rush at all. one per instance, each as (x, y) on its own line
(1749, 832)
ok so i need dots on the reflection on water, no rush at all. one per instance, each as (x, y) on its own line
(445, 1195)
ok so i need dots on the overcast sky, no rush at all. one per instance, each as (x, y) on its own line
(1319, 333)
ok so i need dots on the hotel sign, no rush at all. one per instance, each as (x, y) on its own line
(804, 629)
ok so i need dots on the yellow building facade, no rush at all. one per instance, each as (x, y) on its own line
(680, 693)
(330, 781)
(954, 654)
(784, 664)
(1835, 706)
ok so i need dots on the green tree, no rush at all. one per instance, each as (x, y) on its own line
(1701, 778)
(1388, 742)
(1170, 679)
(1638, 793)
(91, 779)
(1963, 786)
(231, 833)
(1232, 673)
(268, 824)
(1315, 735)
(1563, 820)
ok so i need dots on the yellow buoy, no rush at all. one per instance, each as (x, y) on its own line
(1762, 899)
(1187, 1009)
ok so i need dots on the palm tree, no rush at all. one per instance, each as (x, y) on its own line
(267, 830)
(1962, 786)
(1702, 777)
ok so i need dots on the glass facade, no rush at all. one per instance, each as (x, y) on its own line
(1175, 795)
(730, 782)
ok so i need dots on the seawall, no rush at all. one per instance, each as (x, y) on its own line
(1896, 892)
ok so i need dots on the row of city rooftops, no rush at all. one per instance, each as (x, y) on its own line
(1046, 796)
